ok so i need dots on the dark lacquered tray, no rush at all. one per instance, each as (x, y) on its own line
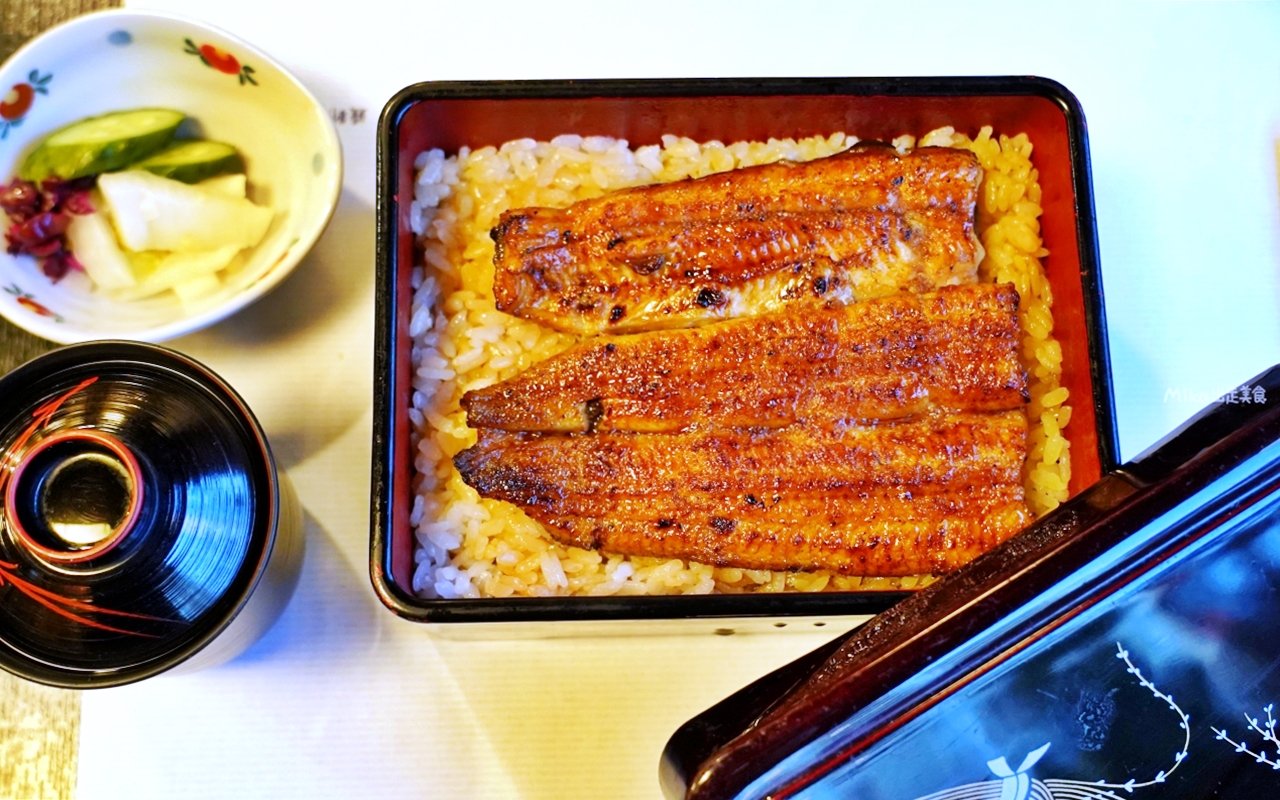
(451, 115)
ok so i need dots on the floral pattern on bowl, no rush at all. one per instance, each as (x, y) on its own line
(221, 61)
(29, 301)
(17, 102)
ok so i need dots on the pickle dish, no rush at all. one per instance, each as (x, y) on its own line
(179, 116)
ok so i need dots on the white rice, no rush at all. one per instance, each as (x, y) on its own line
(470, 546)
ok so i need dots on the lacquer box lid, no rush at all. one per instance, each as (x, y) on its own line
(1123, 646)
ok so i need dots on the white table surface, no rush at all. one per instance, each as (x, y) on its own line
(344, 700)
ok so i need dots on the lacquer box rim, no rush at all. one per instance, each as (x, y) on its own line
(475, 113)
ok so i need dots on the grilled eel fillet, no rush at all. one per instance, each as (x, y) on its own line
(862, 223)
(901, 498)
(894, 357)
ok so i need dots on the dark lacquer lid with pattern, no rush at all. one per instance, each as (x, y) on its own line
(1125, 646)
(139, 509)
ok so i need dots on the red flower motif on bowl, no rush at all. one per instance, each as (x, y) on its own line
(15, 103)
(220, 60)
(29, 302)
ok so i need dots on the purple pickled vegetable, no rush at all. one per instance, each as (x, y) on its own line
(39, 217)
(20, 199)
(58, 264)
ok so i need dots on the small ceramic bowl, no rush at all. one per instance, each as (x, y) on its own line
(118, 60)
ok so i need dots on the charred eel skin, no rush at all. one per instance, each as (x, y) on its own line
(863, 223)
(898, 498)
(899, 356)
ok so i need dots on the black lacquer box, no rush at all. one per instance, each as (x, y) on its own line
(449, 116)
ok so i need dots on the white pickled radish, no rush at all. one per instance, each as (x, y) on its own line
(196, 289)
(233, 185)
(160, 271)
(94, 244)
(154, 213)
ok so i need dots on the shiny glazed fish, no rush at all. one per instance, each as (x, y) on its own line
(860, 224)
(898, 356)
(899, 498)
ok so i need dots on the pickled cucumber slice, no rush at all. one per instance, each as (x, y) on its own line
(101, 144)
(193, 161)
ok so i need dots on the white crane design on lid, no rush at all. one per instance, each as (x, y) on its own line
(1019, 785)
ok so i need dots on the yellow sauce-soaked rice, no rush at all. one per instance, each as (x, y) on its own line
(470, 546)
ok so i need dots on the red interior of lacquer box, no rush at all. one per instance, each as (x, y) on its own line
(451, 123)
